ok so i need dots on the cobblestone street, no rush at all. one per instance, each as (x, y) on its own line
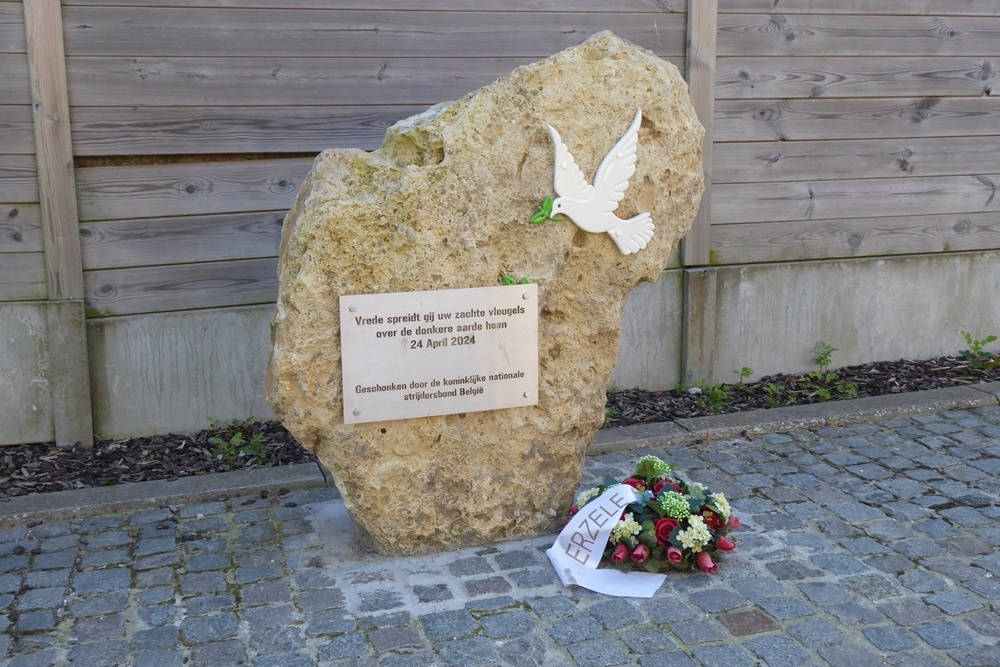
(872, 544)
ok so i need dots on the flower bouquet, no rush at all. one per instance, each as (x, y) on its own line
(675, 525)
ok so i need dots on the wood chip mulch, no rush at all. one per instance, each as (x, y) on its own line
(638, 406)
(42, 468)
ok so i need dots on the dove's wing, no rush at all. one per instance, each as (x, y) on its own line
(618, 165)
(569, 180)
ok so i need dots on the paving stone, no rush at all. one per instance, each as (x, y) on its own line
(838, 563)
(204, 604)
(871, 586)
(952, 602)
(977, 656)
(284, 660)
(472, 651)
(784, 607)
(616, 613)
(575, 629)
(332, 621)
(666, 659)
(45, 578)
(311, 579)
(758, 588)
(491, 604)
(202, 582)
(848, 655)
(922, 581)
(724, 656)
(852, 613)
(513, 560)
(163, 638)
(209, 561)
(909, 611)
(271, 617)
(110, 538)
(434, 593)
(650, 640)
(246, 575)
(816, 632)
(449, 625)
(34, 621)
(785, 570)
(778, 651)
(155, 545)
(266, 592)
(41, 598)
(598, 653)
(943, 634)
(51, 561)
(98, 628)
(384, 640)
(203, 509)
(99, 654)
(377, 600)
(394, 619)
(697, 631)
(889, 639)
(219, 654)
(160, 659)
(533, 578)
(891, 563)
(935, 528)
(552, 607)
(825, 594)
(488, 586)
(204, 629)
(105, 557)
(281, 639)
(743, 623)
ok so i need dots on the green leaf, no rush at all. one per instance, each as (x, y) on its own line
(610, 481)
(674, 540)
(695, 504)
(651, 565)
(647, 538)
(538, 218)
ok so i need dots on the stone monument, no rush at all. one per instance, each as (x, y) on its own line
(445, 203)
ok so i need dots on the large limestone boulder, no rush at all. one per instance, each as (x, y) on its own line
(444, 203)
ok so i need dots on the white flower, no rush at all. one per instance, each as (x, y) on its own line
(625, 528)
(586, 496)
(722, 504)
(696, 535)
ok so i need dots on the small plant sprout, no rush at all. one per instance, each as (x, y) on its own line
(822, 355)
(976, 355)
(743, 374)
(506, 279)
(713, 398)
(773, 395)
(609, 416)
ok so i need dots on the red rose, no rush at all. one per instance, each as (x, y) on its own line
(620, 553)
(724, 544)
(573, 510)
(663, 528)
(659, 486)
(674, 555)
(637, 484)
(706, 563)
(640, 554)
(712, 519)
(734, 523)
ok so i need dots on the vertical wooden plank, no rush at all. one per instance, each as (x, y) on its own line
(67, 334)
(703, 18)
(53, 148)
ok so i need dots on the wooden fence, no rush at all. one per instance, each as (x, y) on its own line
(167, 139)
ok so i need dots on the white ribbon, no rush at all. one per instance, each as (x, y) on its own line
(580, 546)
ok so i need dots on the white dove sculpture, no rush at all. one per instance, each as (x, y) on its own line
(592, 207)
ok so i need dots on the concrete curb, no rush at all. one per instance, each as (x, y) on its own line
(77, 504)
(778, 420)
(82, 503)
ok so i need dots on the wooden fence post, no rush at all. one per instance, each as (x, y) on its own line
(69, 372)
(703, 19)
(698, 311)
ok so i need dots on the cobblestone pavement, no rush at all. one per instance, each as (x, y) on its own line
(874, 544)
